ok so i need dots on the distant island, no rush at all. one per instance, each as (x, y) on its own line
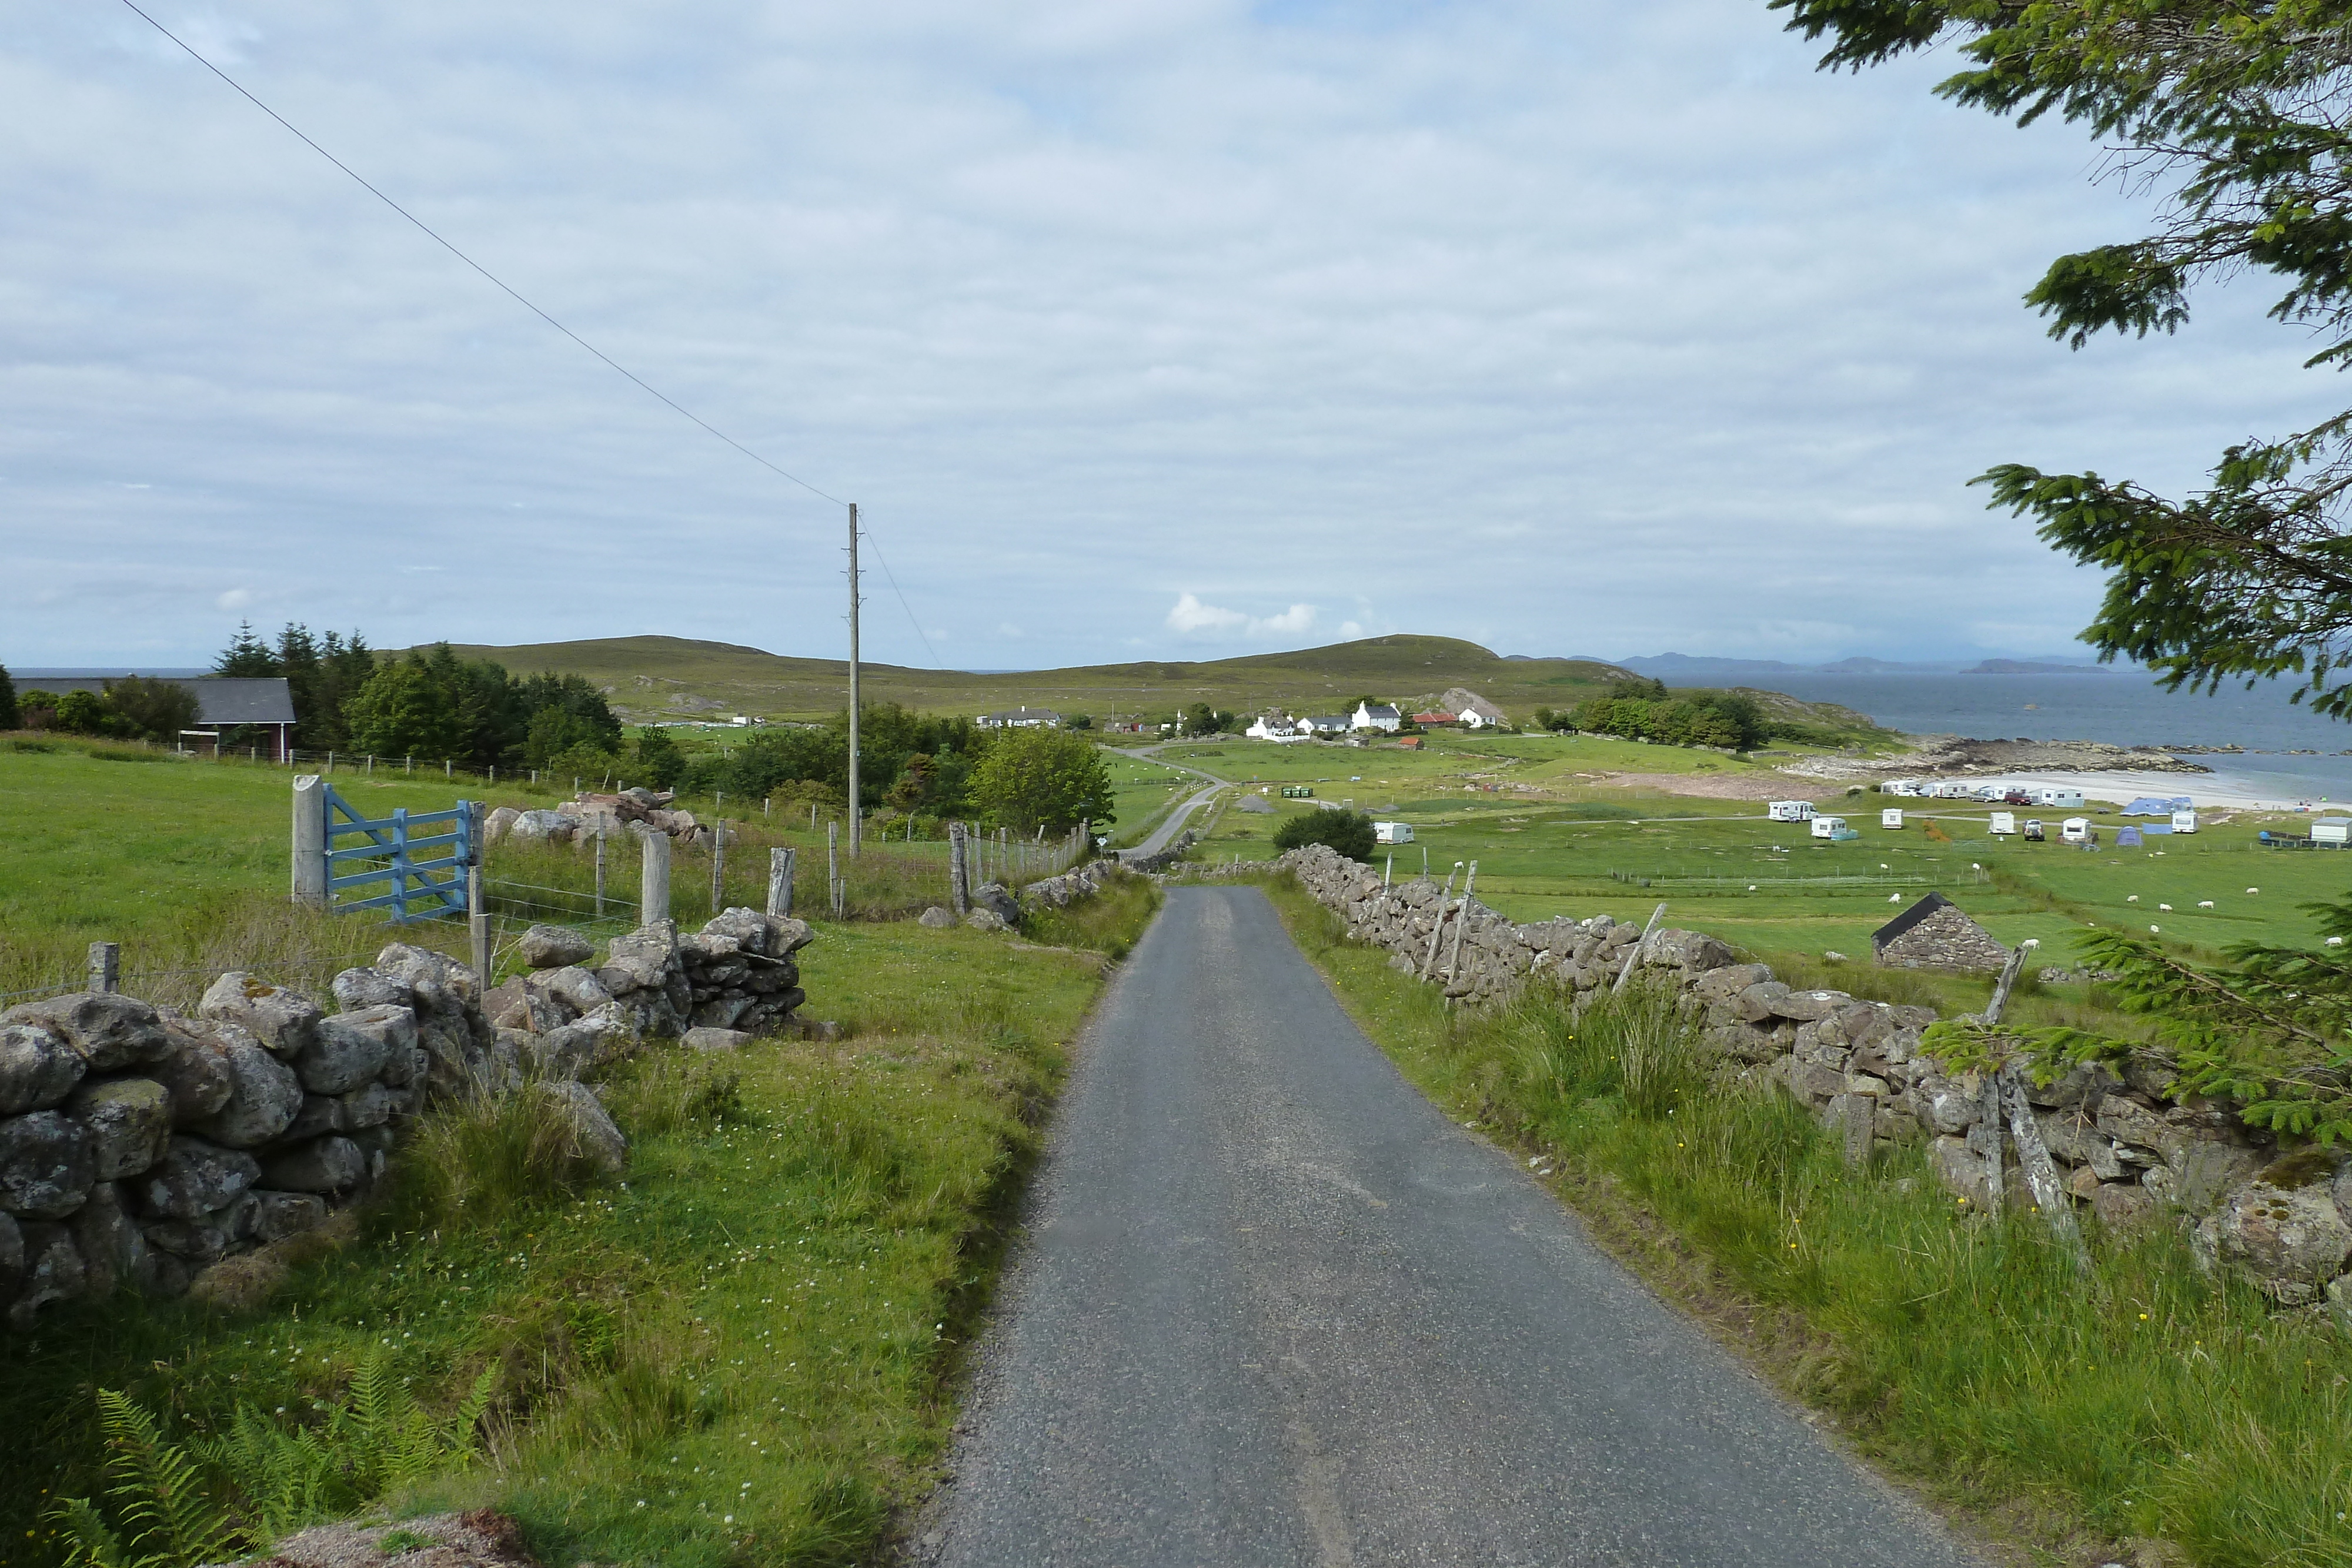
(1683, 669)
(2030, 667)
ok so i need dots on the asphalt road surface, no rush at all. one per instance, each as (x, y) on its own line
(1275, 1309)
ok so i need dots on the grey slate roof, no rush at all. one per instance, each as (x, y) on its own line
(219, 699)
(1908, 918)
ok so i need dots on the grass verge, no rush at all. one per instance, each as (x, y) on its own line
(2151, 1403)
(743, 1351)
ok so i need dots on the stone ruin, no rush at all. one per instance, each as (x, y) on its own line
(141, 1148)
(2127, 1152)
(1936, 934)
(594, 816)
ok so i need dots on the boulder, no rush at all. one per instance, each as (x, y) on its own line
(440, 982)
(641, 960)
(1760, 1003)
(263, 1093)
(597, 1139)
(195, 1075)
(370, 1105)
(1960, 1171)
(769, 936)
(513, 1005)
(2291, 1240)
(279, 1215)
(113, 1249)
(986, 920)
(194, 1243)
(997, 900)
(577, 990)
(37, 1067)
(1692, 952)
(1807, 1007)
(553, 947)
(2125, 1206)
(349, 1049)
(542, 827)
(109, 1030)
(281, 1019)
(357, 988)
(320, 1114)
(495, 825)
(128, 1120)
(2205, 1170)
(53, 1272)
(324, 1164)
(1722, 985)
(46, 1165)
(702, 1039)
(192, 1180)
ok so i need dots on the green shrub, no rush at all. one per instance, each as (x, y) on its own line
(473, 1162)
(1349, 832)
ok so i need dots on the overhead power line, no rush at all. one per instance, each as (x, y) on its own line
(516, 294)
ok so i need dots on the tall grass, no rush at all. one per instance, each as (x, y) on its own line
(2153, 1400)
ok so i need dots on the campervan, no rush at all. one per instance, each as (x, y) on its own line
(1832, 828)
(1791, 811)
(2058, 796)
(1891, 818)
(2004, 824)
(2184, 822)
(1954, 790)
(1992, 794)
(1905, 786)
(2077, 830)
(1392, 833)
(2334, 832)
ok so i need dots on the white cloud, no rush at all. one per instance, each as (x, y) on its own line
(235, 599)
(1190, 618)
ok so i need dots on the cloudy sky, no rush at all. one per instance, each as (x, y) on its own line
(1137, 327)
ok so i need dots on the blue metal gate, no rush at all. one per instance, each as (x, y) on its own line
(394, 851)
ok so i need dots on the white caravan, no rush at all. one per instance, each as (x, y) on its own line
(2004, 824)
(2055, 795)
(1790, 811)
(2186, 822)
(1892, 817)
(1392, 833)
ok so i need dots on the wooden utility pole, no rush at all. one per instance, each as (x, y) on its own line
(853, 679)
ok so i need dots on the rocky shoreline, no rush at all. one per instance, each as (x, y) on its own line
(1960, 755)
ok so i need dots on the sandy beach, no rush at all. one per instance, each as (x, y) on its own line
(2218, 790)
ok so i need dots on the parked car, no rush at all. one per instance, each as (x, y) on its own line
(2032, 834)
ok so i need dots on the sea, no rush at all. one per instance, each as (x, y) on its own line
(2289, 751)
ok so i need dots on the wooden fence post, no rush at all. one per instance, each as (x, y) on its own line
(780, 882)
(1429, 961)
(105, 966)
(477, 913)
(600, 868)
(1462, 924)
(833, 865)
(310, 839)
(1640, 950)
(958, 883)
(653, 878)
(718, 867)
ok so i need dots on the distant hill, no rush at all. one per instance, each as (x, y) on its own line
(675, 678)
(1686, 670)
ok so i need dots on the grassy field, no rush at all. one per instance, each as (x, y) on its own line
(1549, 842)
(741, 1353)
(2151, 1403)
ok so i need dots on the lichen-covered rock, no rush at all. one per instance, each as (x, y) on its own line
(598, 1140)
(553, 947)
(437, 980)
(576, 989)
(357, 988)
(279, 1215)
(264, 1094)
(351, 1048)
(53, 1272)
(194, 1179)
(128, 1120)
(716, 1040)
(986, 920)
(47, 1167)
(196, 1073)
(370, 1105)
(936, 918)
(998, 900)
(1960, 1172)
(110, 1032)
(2290, 1240)
(326, 1165)
(113, 1249)
(279, 1018)
(37, 1067)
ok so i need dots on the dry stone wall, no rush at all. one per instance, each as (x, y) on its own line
(2127, 1152)
(594, 816)
(140, 1147)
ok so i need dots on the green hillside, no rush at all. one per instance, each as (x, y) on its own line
(676, 679)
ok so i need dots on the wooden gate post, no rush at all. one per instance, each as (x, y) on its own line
(833, 865)
(310, 839)
(477, 913)
(718, 867)
(780, 882)
(653, 878)
(958, 883)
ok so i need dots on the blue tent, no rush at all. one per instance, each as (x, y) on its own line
(2127, 838)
